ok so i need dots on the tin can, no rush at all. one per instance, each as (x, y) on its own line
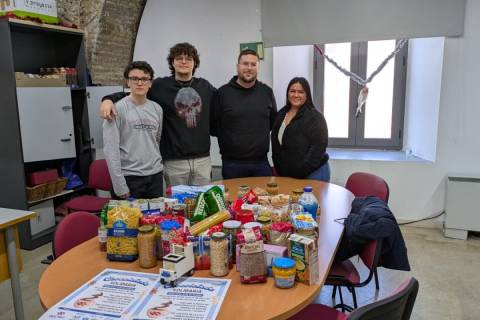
(179, 209)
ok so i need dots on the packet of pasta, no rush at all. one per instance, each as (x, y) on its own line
(122, 229)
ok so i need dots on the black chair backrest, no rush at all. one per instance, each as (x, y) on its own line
(398, 306)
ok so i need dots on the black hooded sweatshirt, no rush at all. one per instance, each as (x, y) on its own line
(243, 118)
(186, 116)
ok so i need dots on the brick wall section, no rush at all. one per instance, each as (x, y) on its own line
(69, 11)
(110, 31)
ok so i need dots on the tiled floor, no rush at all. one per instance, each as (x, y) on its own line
(446, 269)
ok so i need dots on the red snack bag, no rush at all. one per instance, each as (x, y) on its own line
(237, 205)
(250, 197)
(281, 226)
(244, 216)
(216, 228)
(147, 219)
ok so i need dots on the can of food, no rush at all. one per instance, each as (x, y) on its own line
(179, 209)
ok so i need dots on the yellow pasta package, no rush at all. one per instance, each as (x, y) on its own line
(122, 226)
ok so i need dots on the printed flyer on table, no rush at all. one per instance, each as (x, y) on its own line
(117, 294)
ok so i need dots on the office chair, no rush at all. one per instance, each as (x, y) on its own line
(73, 230)
(345, 274)
(98, 178)
(397, 306)
(361, 184)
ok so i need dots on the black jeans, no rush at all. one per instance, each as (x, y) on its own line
(145, 187)
(241, 169)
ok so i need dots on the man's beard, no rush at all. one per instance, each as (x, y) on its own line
(253, 79)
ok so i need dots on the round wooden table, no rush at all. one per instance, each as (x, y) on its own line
(253, 301)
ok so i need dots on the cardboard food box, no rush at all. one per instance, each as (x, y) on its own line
(305, 252)
(201, 251)
(45, 10)
(24, 80)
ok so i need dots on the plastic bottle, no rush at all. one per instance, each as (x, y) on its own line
(309, 202)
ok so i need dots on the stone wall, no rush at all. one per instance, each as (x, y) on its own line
(110, 28)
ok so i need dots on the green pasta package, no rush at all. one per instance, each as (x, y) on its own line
(122, 230)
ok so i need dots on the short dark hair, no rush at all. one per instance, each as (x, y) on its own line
(186, 49)
(140, 65)
(306, 87)
(247, 52)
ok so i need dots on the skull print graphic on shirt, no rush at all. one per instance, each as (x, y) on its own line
(188, 105)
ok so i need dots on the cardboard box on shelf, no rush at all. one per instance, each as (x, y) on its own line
(45, 10)
(24, 80)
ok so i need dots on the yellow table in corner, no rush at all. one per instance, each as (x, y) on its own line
(9, 218)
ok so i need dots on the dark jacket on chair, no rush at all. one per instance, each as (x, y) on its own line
(371, 219)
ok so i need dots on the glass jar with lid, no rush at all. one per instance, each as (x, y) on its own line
(231, 228)
(295, 195)
(265, 227)
(242, 191)
(284, 271)
(219, 254)
(272, 188)
(146, 247)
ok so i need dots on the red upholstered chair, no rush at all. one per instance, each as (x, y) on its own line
(344, 274)
(361, 184)
(98, 178)
(73, 230)
(397, 306)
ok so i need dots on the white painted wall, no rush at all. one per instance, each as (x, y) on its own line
(422, 103)
(290, 62)
(215, 27)
(417, 189)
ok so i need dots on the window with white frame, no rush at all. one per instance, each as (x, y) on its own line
(380, 124)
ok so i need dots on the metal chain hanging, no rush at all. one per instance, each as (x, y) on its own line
(362, 96)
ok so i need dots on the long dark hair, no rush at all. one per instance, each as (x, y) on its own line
(306, 87)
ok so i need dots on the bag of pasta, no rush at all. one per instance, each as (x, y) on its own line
(122, 226)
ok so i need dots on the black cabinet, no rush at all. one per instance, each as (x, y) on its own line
(27, 47)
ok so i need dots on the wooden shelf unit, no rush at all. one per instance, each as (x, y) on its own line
(26, 47)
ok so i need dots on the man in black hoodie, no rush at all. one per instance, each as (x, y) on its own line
(244, 111)
(185, 100)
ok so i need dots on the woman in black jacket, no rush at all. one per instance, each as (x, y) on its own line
(300, 136)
